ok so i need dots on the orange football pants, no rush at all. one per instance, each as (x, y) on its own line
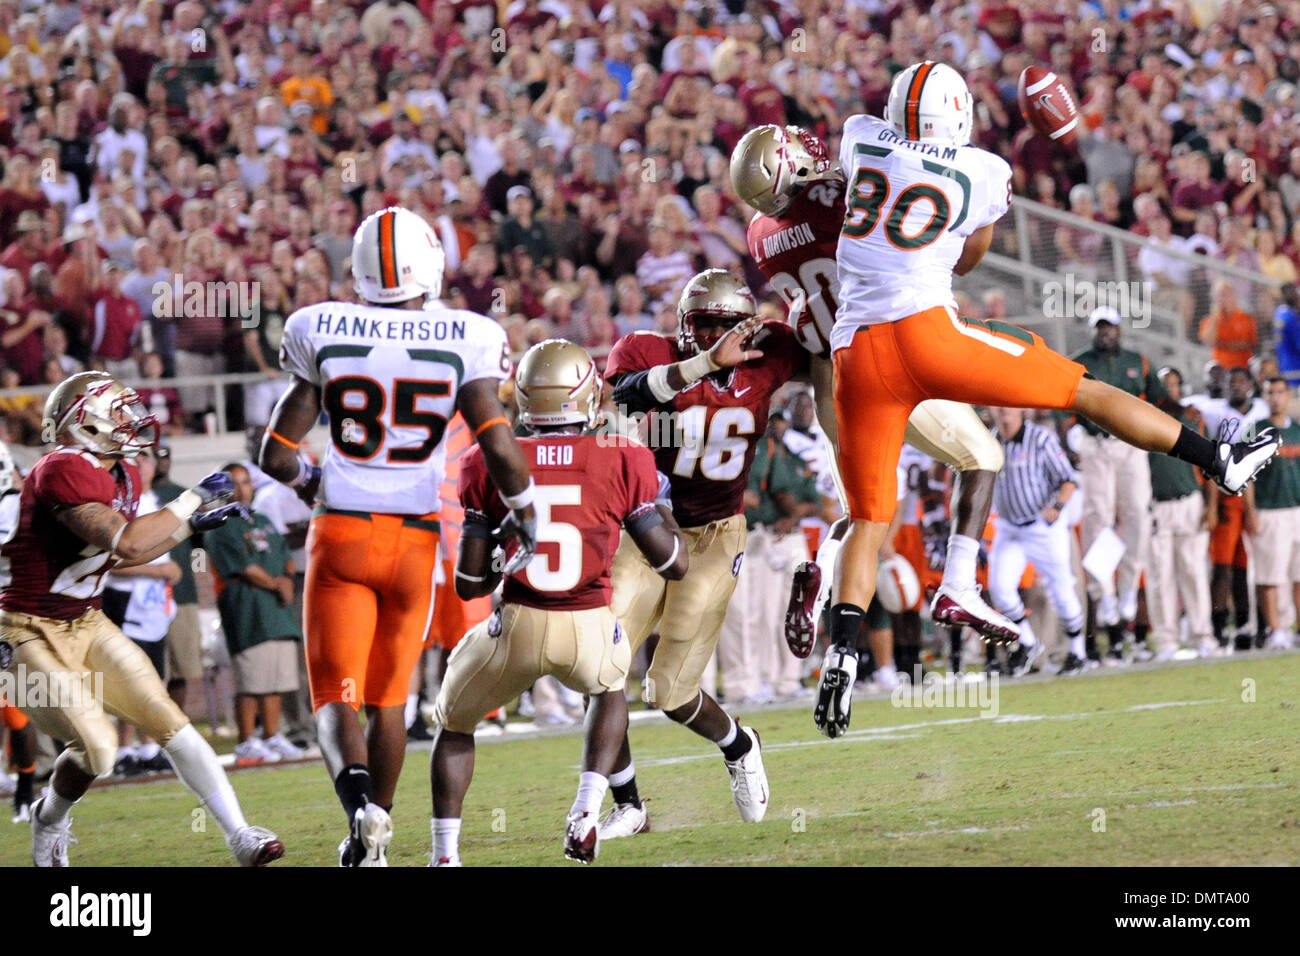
(891, 367)
(368, 603)
(12, 717)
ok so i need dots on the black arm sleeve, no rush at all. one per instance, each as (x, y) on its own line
(476, 524)
(632, 391)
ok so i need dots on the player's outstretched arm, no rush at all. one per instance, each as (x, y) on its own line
(291, 420)
(977, 243)
(144, 538)
(506, 465)
(661, 541)
(642, 391)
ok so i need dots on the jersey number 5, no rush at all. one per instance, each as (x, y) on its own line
(567, 570)
(355, 405)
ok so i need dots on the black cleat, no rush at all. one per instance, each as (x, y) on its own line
(1074, 664)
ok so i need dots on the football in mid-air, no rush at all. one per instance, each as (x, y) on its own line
(897, 585)
(1047, 105)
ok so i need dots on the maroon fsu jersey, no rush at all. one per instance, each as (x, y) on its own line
(55, 573)
(796, 250)
(704, 439)
(587, 488)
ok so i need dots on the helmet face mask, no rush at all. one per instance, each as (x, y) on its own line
(396, 257)
(712, 302)
(95, 412)
(557, 384)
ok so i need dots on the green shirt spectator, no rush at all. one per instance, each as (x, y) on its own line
(252, 613)
(1278, 485)
(1172, 478)
(777, 471)
(1107, 362)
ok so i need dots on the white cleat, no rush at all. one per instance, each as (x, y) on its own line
(367, 843)
(624, 820)
(255, 846)
(285, 748)
(50, 840)
(886, 678)
(581, 837)
(1279, 640)
(967, 607)
(1210, 648)
(447, 861)
(1235, 465)
(749, 780)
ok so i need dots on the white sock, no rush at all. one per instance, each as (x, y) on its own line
(959, 570)
(1076, 645)
(197, 766)
(127, 751)
(412, 708)
(149, 751)
(622, 777)
(887, 670)
(827, 555)
(1027, 637)
(446, 838)
(591, 793)
(731, 735)
(54, 807)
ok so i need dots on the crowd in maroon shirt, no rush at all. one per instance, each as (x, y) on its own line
(542, 139)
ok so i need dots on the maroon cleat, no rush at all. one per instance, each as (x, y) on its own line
(581, 838)
(967, 608)
(800, 627)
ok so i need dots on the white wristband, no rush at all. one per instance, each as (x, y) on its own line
(185, 505)
(697, 366)
(677, 546)
(521, 500)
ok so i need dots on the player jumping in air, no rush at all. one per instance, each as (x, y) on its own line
(555, 616)
(389, 374)
(77, 523)
(798, 191)
(921, 205)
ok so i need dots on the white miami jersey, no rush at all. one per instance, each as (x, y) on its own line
(909, 208)
(389, 381)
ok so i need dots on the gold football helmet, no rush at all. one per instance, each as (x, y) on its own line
(94, 411)
(557, 384)
(770, 163)
(718, 298)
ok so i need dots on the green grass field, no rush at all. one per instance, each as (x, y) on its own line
(1183, 768)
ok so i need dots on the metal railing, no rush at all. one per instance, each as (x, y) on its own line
(1026, 265)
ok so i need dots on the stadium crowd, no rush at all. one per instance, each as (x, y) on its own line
(573, 157)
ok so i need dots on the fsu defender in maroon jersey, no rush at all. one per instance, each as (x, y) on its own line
(77, 523)
(787, 175)
(707, 394)
(555, 615)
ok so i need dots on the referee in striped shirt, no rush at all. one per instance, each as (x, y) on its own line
(1031, 491)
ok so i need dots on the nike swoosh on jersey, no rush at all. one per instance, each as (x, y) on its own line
(742, 391)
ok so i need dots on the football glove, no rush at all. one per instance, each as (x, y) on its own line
(208, 520)
(835, 691)
(217, 487)
(522, 529)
